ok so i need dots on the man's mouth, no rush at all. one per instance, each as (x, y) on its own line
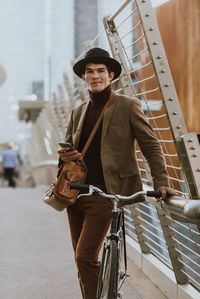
(95, 83)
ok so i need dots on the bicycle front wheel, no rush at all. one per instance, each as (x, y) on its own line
(108, 276)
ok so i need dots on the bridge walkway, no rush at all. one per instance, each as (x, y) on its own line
(36, 257)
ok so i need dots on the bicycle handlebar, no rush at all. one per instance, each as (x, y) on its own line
(124, 200)
(81, 187)
(156, 194)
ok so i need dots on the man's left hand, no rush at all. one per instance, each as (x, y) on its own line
(166, 191)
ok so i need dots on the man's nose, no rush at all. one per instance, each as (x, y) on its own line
(95, 74)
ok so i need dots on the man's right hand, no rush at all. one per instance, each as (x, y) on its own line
(66, 155)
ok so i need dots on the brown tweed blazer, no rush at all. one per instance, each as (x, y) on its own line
(123, 123)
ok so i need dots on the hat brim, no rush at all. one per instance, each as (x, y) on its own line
(114, 65)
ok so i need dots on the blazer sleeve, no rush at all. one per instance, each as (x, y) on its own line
(149, 145)
(68, 137)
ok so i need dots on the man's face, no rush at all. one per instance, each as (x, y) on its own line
(97, 77)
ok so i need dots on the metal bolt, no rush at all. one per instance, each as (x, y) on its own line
(159, 57)
(193, 148)
(171, 99)
(163, 71)
(175, 113)
(190, 140)
(178, 127)
(166, 85)
(198, 169)
(150, 29)
(143, 1)
(155, 43)
(195, 155)
(147, 15)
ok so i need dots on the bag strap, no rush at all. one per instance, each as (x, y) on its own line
(113, 95)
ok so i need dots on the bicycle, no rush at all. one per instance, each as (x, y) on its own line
(113, 266)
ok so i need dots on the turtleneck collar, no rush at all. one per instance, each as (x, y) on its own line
(100, 98)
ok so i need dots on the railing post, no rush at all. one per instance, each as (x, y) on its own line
(118, 54)
(63, 107)
(80, 84)
(57, 112)
(61, 92)
(173, 247)
(69, 90)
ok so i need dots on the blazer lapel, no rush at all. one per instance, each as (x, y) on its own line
(76, 137)
(107, 117)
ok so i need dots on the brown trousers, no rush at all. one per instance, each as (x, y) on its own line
(89, 220)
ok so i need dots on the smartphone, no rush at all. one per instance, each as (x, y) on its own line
(67, 144)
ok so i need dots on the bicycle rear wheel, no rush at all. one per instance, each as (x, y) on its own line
(108, 276)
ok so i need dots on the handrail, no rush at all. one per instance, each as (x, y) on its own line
(189, 208)
(115, 13)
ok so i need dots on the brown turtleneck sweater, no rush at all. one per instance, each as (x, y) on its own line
(93, 155)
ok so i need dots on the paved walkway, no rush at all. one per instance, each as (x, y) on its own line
(36, 257)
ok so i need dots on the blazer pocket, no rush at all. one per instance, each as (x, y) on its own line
(127, 172)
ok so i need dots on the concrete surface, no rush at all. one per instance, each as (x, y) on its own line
(36, 257)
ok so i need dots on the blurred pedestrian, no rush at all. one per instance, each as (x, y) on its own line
(10, 164)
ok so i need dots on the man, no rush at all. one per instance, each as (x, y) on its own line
(110, 159)
(10, 165)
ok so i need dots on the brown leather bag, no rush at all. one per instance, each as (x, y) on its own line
(72, 172)
(59, 195)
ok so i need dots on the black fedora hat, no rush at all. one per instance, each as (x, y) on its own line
(98, 56)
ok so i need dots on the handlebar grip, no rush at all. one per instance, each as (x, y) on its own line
(156, 194)
(81, 187)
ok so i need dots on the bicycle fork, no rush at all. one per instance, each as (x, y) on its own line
(117, 232)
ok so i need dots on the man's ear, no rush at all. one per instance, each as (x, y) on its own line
(111, 75)
(83, 76)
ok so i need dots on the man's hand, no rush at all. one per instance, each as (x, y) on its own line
(66, 155)
(166, 191)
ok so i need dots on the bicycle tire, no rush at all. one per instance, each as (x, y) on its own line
(113, 279)
(101, 273)
(122, 261)
(108, 275)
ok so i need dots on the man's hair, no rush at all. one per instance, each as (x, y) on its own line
(109, 68)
